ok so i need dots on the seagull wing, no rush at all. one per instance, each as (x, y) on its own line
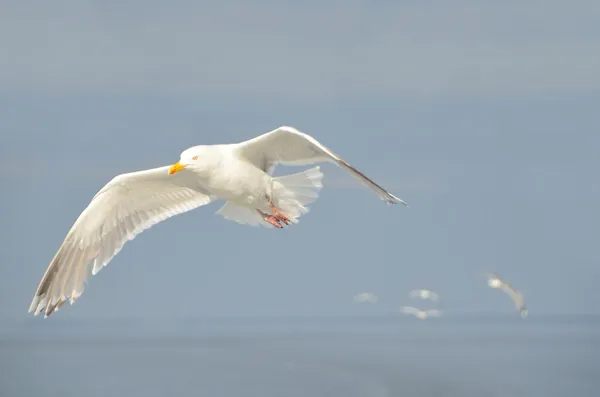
(373, 298)
(125, 207)
(360, 297)
(434, 312)
(516, 296)
(365, 297)
(410, 310)
(288, 146)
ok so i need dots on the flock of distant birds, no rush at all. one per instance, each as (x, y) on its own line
(494, 281)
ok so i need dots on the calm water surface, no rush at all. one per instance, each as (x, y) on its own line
(545, 357)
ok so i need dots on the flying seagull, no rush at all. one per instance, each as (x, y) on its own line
(424, 294)
(364, 297)
(421, 314)
(239, 173)
(496, 282)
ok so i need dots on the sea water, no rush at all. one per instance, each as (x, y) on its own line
(279, 357)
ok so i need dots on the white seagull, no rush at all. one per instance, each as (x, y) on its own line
(424, 294)
(239, 173)
(364, 297)
(494, 281)
(421, 314)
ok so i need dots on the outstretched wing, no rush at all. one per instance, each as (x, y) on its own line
(365, 297)
(288, 146)
(434, 296)
(424, 294)
(410, 310)
(125, 207)
(515, 295)
(434, 312)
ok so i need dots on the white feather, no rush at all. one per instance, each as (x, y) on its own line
(364, 297)
(126, 206)
(421, 314)
(410, 310)
(291, 194)
(496, 282)
(424, 294)
(238, 173)
(288, 146)
(242, 215)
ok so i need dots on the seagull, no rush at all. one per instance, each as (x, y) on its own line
(421, 314)
(365, 297)
(494, 281)
(424, 294)
(239, 173)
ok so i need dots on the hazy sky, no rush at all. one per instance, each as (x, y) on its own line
(483, 116)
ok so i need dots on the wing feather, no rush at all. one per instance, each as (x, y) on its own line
(122, 209)
(410, 310)
(288, 146)
(515, 295)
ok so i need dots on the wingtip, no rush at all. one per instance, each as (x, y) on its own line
(395, 200)
(524, 313)
(34, 304)
(398, 201)
(39, 306)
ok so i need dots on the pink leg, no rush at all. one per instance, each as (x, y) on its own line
(280, 216)
(271, 219)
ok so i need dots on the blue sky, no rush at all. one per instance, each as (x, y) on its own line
(481, 115)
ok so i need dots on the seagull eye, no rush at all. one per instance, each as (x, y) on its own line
(195, 158)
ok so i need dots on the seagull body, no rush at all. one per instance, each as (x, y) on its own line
(239, 173)
(364, 297)
(421, 314)
(494, 281)
(424, 294)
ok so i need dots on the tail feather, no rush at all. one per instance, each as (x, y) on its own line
(241, 215)
(291, 195)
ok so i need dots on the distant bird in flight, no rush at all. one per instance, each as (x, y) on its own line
(421, 314)
(424, 294)
(365, 297)
(240, 173)
(494, 281)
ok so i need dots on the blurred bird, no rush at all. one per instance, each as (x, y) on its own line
(421, 314)
(494, 281)
(424, 294)
(365, 297)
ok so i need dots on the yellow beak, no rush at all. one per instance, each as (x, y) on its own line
(176, 168)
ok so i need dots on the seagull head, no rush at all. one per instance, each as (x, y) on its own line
(189, 158)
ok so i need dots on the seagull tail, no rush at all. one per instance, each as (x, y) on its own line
(293, 193)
